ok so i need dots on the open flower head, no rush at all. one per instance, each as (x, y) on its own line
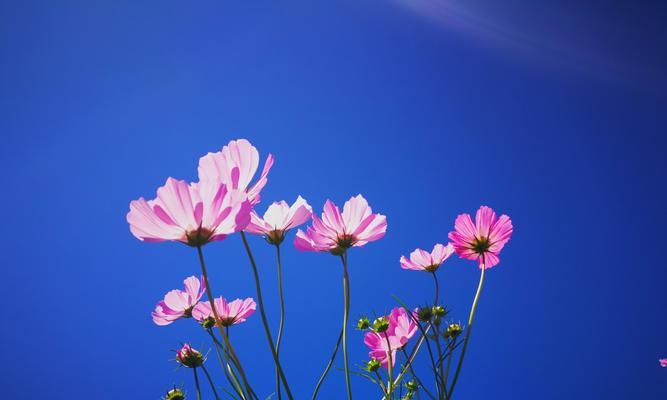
(279, 218)
(235, 165)
(482, 240)
(663, 362)
(422, 260)
(179, 303)
(194, 214)
(402, 327)
(230, 313)
(335, 232)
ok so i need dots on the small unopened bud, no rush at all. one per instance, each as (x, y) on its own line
(412, 385)
(208, 322)
(174, 394)
(439, 311)
(189, 357)
(453, 331)
(373, 365)
(363, 323)
(425, 314)
(381, 324)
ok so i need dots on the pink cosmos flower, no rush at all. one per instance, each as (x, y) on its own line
(279, 218)
(231, 313)
(336, 232)
(193, 214)
(179, 303)
(663, 362)
(235, 165)
(482, 240)
(422, 260)
(402, 327)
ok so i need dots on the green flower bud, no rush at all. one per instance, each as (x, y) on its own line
(412, 385)
(453, 331)
(373, 365)
(189, 357)
(174, 394)
(363, 323)
(425, 314)
(208, 322)
(439, 311)
(381, 324)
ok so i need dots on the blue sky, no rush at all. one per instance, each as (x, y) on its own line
(553, 114)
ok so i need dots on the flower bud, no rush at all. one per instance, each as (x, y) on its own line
(208, 322)
(174, 394)
(439, 311)
(424, 314)
(363, 323)
(412, 385)
(189, 357)
(373, 365)
(453, 331)
(381, 324)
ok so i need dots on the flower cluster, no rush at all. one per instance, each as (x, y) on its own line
(223, 202)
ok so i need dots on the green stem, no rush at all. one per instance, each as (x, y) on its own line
(380, 378)
(209, 294)
(210, 381)
(414, 375)
(468, 330)
(282, 318)
(197, 383)
(390, 381)
(329, 364)
(265, 322)
(437, 336)
(346, 311)
(226, 368)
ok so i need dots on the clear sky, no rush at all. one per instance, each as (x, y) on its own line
(554, 113)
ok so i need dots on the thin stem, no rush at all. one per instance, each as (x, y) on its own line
(450, 345)
(380, 378)
(282, 318)
(414, 375)
(226, 368)
(209, 294)
(390, 386)
(437, 288)
(346, 311)
(197, 383)
(467, 338)
(415, 351)
(210, 381)
(437, 335)
(265, 322)
(329, 364)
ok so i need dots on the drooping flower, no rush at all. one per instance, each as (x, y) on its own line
(179, 303)
(193, 214)
(663, 362)
(279, 218)
(235, 165)
(335, 232)
(189, 357)
(230, 313)
(422, 260)
(482, 240)
(402, 327)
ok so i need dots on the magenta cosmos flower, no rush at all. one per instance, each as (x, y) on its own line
(482, 240)
(179, 303)
(235, 165)
(422, 260)
(230, 313)
(663, 362)
(279, 218)
(193, 214)
(402, 327)
(336, 231)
